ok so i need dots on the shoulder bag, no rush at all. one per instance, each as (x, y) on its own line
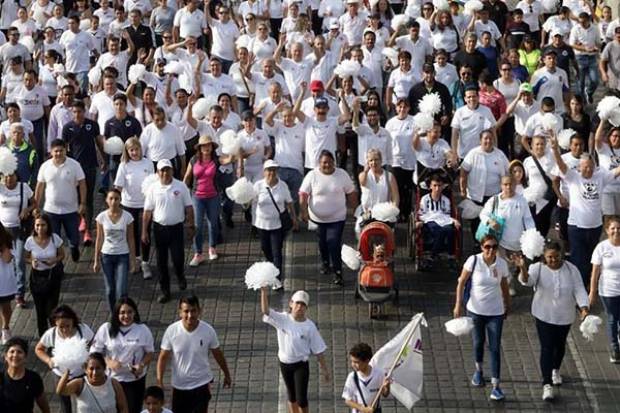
(484, 229)
(549, 193)
(285, 218)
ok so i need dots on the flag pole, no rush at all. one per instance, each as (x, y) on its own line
(400, 353)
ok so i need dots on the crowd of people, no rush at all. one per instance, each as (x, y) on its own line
(172, 80)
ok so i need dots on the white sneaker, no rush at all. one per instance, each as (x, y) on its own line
(556, 377)
(212, 254)
(146, 270)
(6, 335)
(196, 260)
(547, 392)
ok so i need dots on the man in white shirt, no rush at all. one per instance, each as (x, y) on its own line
(78, 46)
(353, 23)
(585, 40)
(419, 48)
(214, 83)
(116, 57)
(296, 69)
(551, 81)
(60, 115)
(168, 204)
(102, 103)
(190, 21)
(57, 179)
(370, 136)
(364, 382)
(13, 48)
(188, 343)
(225, 32)
(162, 140)
(469, 121)
(263, 79)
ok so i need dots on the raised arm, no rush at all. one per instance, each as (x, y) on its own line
(599, 136)
(264, 301)
(553, 141)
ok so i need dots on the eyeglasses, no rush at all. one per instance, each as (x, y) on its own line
(490, 246)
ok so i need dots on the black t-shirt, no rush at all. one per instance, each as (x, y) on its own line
(476, 60)
(82, 142)
(124, 129)
(565, 54)
(516, 32)
(18, 396)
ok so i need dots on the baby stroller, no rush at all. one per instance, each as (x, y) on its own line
(375, 280)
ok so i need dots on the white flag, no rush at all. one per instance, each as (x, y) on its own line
(408, 370)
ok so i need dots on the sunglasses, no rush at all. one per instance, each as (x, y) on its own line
(490, 246)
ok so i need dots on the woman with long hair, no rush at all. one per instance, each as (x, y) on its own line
(132, 171)
(444, 34)
(578, 120)
(145, 107)
(529, 54)
(127, 345)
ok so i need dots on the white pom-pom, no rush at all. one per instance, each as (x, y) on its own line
(534, 193)
(392, 54)
(472, 6)
(70, 354)
(589, 327)
(200, 110)
(136, 73)
(385, 211)
(84, 24)
(564, 138)
(59, 68)
(94, 76)
(532, 243)
(430, 103)
(347, 68)
(243, 41)
(242, 191)
(614, 118)
(262, 274)
(441, 4)
(175, 67)
(148, 182)
(8, 161)
(413, 10)
(113, 146)
(469, 209)
(399, 21)
(230, 143)
(549, 121)
(607, 106)
(459, 326)
(185, 82)
(27, 41)
(350, 257)
(423, 122)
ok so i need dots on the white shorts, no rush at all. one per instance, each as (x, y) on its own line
(611, 203)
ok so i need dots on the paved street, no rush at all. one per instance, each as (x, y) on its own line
(591, 383)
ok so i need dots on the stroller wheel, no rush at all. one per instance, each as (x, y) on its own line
(373, 310)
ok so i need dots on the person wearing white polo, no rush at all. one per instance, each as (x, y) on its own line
(168, 204)
(162, 140)
(188, 343)
(57, 179)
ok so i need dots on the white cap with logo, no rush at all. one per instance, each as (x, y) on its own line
(301, 297)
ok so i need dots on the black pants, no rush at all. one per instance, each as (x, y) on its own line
(191, 401)
(543, 218)
(142, 250)
(46, 301)
(90, 176)
(317, 22)
(474, 223)
(506, 139)
(134, 393)
(404, 180)
(552, 347)
(271, 242)
(347, 142)
(296, 378)
(169, 238)
(275, 30)
(560, 215)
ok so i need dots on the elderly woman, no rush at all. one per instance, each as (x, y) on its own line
(323, 195)
(377, 184)
(481, 172)
(605, 282)
(557, 291)
(273, 199)
(487, 302)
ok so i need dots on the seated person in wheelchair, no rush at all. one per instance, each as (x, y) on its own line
(434, 217)
(434, 157)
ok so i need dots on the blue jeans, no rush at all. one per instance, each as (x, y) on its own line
(210, 207)
(491, 327)
(612, 308)
(582, 243)
(330, 243)
(20, 264)
(70, 222)
(292, 178)
(115, 268)
(440, 238)
(587, 68)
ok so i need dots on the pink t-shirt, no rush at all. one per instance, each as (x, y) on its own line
(204, 177)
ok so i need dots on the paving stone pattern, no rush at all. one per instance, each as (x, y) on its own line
(250, 346)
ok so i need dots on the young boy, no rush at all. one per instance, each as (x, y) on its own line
(364, 382)
(154, 400)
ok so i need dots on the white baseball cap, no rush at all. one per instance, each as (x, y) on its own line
(301, 297)
(163, 163)
(555, 32)
(270, 163)
(333, 24)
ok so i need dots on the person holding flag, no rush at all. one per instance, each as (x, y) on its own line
(364, 383)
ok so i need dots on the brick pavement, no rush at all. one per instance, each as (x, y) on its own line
(250, 346)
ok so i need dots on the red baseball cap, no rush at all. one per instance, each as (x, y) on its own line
(316, 86)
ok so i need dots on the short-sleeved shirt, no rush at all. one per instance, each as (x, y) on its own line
(290, 144)
(168, 202)
(77, 47)
(328, 202)
(61, 181)
(369, 385)
(486, 293)
(43, 253)
(82, 142)
(469, 124)
(297, 340)
(585, 197)
(123, 128)
(190, 354)
(10, 203)
(190, 23)
(608, 257)
(267, 216)
(130, 176)
(114, 233)
(52, 338)
(319, 136)
(401, 132)
(165, 143)
(19, 395)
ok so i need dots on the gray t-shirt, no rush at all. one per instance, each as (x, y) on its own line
(611, 54)
(162, 19)
(9, 51)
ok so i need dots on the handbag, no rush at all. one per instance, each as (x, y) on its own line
(549, 193)
(26, 225)
(285, 218)
(484, 229)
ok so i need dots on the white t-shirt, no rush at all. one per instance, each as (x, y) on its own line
(368, 139)
(402, 82)
(102, 106)
(608, 257)
(585, 197)
(265, 215)
(8, 281)
(61, 181)
(572, 163)
(190, 23)
(401, 131)
(130, 176)
(370, 386)
(609, 159)
(51, 338)
(255, 142)
(5, 128)
(129, 347)
(114, 233)
(43, 253)
(470, 123)
(190, 354)
(224, 36)
(327, 195)
(319, 136)
(168, 202)
(290, 144)
(77, 48)
(297, 340)
(31, 102)
(158, 144)
(486, 293)
(550, 84)
(118, 61)
(10, 206)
